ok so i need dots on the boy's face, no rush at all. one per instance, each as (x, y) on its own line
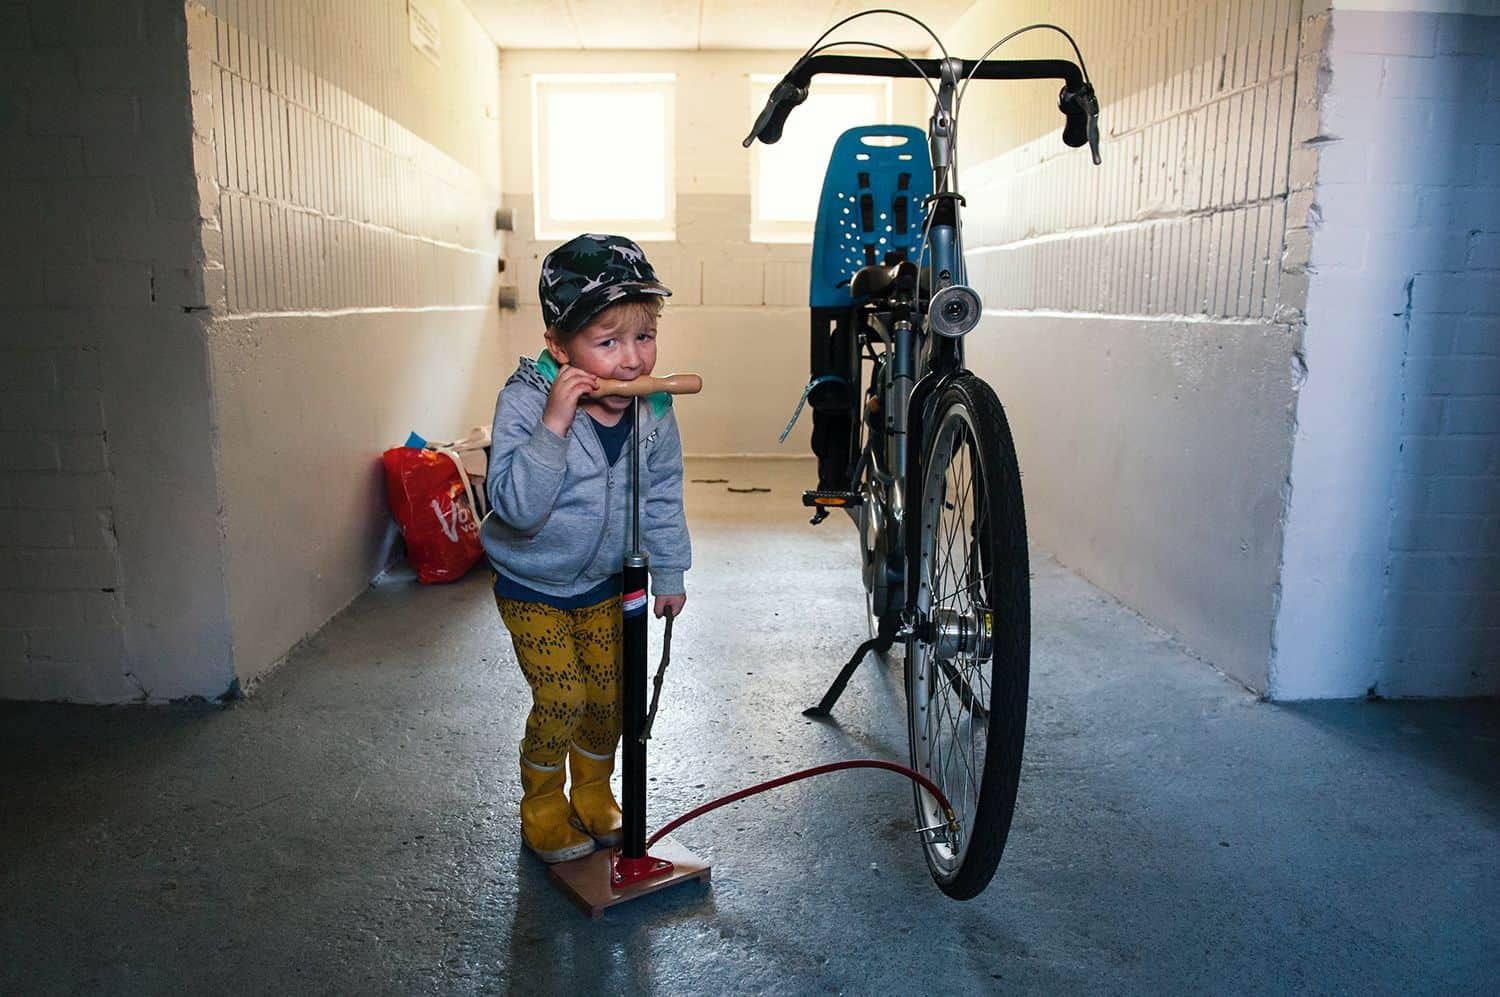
(620, 344)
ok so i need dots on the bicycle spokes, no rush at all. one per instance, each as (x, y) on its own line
(956, 646)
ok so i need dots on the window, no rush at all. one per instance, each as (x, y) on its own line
(603, 155)
(786, 179)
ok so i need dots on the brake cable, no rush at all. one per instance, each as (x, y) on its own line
(878, 10)
(1016, 33)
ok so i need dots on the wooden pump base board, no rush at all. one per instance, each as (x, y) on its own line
(586, 880)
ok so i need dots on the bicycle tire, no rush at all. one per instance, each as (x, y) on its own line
(969, 456)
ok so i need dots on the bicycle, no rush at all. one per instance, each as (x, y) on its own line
(942, 524)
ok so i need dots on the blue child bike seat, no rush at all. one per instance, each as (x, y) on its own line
(878, 176)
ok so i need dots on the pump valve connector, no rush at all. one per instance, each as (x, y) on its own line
(955, 311)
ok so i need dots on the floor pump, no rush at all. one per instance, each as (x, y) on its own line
(609, 877)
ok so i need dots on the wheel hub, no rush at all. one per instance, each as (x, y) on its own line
(956, 634)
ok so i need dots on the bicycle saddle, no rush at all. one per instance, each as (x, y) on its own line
(880, 281)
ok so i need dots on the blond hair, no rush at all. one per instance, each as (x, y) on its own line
(638, 309)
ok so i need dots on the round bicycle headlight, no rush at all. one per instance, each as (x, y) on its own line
(955, 310)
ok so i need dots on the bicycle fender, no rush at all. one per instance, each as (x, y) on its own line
(920, 406)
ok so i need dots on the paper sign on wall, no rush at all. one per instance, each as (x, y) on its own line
(424, 30)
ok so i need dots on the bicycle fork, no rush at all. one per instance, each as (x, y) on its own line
(901, 372)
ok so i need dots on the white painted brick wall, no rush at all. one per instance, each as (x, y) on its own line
(1142, 316)
(327, 200)
(1188, 215)
(1248, 196)
(349, 189)
(1408, 210)
(89, 88)
(1441, 631)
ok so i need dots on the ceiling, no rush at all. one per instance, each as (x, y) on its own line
(701, 24)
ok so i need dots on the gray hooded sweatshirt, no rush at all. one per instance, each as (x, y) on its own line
(559, 517)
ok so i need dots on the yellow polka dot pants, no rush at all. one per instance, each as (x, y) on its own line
(571, 658)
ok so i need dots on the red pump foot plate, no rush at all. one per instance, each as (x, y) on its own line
(626, 871)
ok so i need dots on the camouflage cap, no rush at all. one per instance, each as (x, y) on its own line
(585, 275)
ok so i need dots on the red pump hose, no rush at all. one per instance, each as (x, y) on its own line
(761, 787)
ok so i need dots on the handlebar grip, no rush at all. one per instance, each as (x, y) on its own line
(773, 116)
(672, 384)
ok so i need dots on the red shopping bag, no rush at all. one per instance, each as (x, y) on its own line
(432, 504)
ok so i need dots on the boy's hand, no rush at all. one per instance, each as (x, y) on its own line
(673, 603)
(562, 401)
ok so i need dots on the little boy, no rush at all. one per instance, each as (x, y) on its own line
(556, 536)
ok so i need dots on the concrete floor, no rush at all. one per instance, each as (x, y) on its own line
(352, 827)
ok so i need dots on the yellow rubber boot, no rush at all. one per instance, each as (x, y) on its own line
(544, 816)
(594, 806)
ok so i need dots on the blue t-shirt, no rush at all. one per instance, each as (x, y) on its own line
(613, 439)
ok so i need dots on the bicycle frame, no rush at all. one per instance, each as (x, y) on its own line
(916, 356)
(919, 361)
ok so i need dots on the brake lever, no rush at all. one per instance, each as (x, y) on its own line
(761, 121)
(1083, 101)
(783, 92)
(1093, 108)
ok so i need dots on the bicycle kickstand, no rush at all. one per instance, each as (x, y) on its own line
(881, 643)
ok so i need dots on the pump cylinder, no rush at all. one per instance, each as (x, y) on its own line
(633, 709)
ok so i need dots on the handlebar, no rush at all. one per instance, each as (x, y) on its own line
(1076, 101)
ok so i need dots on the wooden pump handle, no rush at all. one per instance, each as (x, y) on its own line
(672, 384)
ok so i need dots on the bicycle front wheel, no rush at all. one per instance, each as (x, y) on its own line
(968, 659)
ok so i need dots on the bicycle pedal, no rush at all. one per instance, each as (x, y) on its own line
(843, 500)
